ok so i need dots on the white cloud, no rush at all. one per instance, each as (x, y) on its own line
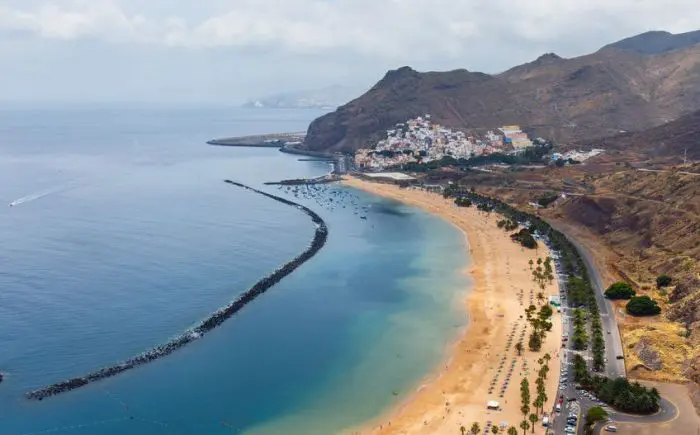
(217, 49)
(422, 28)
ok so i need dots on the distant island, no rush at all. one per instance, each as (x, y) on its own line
(327, 98)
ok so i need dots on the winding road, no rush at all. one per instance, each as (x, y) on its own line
(613, 367)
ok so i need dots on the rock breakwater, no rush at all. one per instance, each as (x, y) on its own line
(206, 325)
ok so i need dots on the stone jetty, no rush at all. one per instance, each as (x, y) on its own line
(216, 319)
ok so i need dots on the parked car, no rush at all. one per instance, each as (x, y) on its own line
(610, 428)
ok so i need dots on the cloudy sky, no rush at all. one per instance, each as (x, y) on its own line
(230, 50)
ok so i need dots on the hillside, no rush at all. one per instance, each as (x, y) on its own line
(591, 96)
(656, 42)
(672, 139)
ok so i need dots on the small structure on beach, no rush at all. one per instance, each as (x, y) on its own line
(493, 404)
(555, 301)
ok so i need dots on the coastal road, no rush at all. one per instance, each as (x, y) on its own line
(578, 402)
(613, 342)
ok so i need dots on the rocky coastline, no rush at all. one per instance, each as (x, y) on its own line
(208, 324)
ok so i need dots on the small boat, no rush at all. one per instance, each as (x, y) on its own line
(363, 217)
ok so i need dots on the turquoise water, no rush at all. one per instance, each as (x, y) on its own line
(127, 236)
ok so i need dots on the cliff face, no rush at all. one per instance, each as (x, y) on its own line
(565, 99)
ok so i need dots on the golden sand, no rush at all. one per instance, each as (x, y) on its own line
(457, 393)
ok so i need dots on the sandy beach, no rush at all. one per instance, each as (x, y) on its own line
(478, 365)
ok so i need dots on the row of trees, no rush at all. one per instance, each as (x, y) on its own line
(541, 324)
(530, 155)
(579, 340)
(495, 430)
(579, 287)
(619, 393)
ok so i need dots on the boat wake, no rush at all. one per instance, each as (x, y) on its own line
(43, 193)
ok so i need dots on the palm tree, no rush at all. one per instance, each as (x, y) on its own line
(495, 429)
(533, 420)
(540, 297)
(512, 431)
(519, 347)
(530, 263)
(463, 430)
(547, 357)
(524, 425)
(475, 429)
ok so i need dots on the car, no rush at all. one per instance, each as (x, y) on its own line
(620, 357)
(610, 428)
(570, 429)
(571, 399)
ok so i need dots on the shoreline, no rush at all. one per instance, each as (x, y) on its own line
(455, 393)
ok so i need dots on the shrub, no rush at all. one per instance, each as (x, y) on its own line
(643, 306)
(620, 290)
(463, 202)
(525, 238)
(663, 281)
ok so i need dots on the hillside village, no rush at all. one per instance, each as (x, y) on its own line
(419, 140)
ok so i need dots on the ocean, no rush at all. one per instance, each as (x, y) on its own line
(123, 235)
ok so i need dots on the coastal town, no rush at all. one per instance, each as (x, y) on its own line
(419, 140)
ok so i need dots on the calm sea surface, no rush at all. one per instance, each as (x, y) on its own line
(124, 235)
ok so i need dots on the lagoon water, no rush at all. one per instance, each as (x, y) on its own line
(124, 235)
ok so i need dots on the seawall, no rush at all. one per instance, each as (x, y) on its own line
(208, 324)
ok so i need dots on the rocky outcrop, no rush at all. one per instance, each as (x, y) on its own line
(647, 355)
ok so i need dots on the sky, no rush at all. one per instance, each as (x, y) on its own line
(226, 51)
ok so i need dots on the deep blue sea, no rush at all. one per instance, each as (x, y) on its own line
(124, 235)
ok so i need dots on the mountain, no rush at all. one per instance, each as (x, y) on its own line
(591, 96)
(656, 42)
(677, 139)
(325, 98)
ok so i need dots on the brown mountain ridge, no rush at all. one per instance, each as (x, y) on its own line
(596, 95)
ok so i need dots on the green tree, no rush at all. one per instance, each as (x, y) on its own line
(620, 290)
(540, 297)
(519, 347)
(494, 429)
(463, 430)
(663, 281)
(593, 416)
(643, 306)
(533, 419)
(512, 431)
(524, 425)
(530, 263)
(475, 428)
(535, 341)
